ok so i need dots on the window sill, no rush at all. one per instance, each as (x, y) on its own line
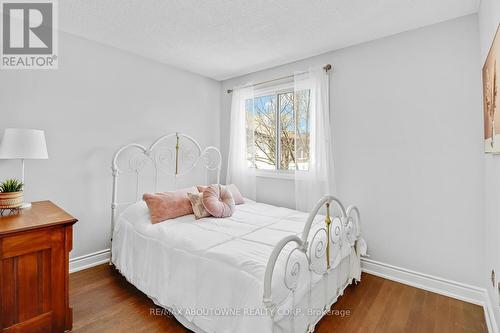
(276, 174)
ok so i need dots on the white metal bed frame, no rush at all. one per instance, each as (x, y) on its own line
(317, 250)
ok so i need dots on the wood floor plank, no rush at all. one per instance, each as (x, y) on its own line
(103, 301)
(378, 307)
(443, 311)
(421, 318)
(358, 303)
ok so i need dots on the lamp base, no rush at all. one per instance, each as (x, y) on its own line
(26, 205)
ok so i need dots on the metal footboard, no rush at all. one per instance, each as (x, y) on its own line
(318, 250)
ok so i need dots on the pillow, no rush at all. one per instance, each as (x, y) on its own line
(168, 205)
(218, 201)
(197, 205)
(238, 198)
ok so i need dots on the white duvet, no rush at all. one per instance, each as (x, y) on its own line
(210, 272)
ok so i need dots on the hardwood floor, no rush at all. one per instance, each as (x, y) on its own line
(103, 301)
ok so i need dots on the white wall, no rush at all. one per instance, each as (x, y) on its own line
(99, 99)
(408, 145)
(408, 137)
(489, 18)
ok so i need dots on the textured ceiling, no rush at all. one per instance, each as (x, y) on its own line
(227, 38)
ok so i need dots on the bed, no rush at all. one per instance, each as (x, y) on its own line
(264, 269)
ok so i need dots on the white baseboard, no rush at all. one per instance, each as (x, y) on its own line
(435, 284)
(489, 315)
(89, 260)
(450, 288)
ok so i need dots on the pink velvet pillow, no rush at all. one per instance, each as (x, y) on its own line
(218, 201)
(168, 205)
(238, 198)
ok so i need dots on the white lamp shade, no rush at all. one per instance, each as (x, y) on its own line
(19, 143)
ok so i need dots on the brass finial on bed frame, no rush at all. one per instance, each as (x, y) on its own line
(177, 154)
(328, 221)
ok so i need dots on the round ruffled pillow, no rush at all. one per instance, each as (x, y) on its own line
(218, 201)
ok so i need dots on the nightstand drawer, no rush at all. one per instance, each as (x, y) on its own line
(27, 242)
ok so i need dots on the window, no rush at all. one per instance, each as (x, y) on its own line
(280, 123)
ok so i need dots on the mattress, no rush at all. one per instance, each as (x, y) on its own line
(210, 272)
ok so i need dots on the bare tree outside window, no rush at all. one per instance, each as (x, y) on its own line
(280, 124)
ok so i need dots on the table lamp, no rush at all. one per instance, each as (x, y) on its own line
(23, 144)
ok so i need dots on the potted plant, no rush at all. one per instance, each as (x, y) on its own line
(11, 194)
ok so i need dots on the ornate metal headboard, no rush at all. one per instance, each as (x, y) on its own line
(173, 155)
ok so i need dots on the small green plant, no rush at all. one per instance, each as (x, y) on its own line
(11, 185)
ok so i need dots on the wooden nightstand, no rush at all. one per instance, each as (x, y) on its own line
(34, 269)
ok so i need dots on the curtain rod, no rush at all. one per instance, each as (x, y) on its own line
(327, 67)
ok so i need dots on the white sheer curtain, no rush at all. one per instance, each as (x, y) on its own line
(318, 181)
(238, 171)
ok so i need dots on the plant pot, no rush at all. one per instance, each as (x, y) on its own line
(11, 199)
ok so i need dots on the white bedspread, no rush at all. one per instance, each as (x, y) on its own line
(200, 269)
